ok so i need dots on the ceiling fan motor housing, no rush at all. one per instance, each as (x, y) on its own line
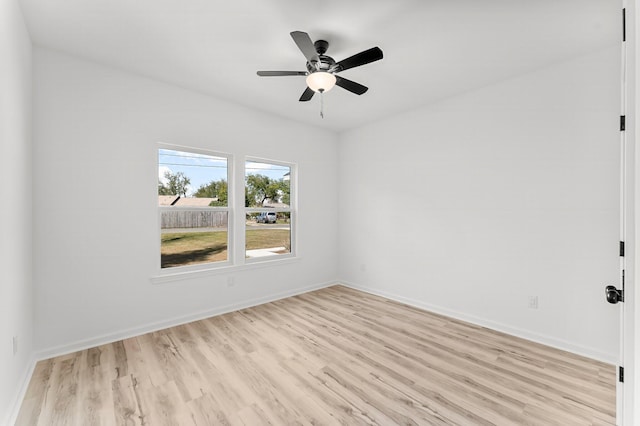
(321, 46)
(326, 62)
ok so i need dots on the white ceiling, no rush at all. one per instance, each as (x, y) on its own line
(432, 48)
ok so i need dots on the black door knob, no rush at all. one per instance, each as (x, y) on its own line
(613, 294)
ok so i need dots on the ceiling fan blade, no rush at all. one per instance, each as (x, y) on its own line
(351, 86)
(305, 45)
(362, 58)
(280, 73)
(307, 95)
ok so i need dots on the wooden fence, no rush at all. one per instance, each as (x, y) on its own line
(193, 219)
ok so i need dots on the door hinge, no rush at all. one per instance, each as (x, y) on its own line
(621, 248)
(623, 120)
(624, 24)
(621, 374)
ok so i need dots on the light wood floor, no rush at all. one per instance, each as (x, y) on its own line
(333, 356)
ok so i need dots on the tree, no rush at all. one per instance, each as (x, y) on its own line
(177, 184)
(261, 188)
(285, 187)
(214, 189)
(163, 190)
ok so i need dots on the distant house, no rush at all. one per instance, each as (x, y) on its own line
(194, 202)
(176, 200)
(167, 200)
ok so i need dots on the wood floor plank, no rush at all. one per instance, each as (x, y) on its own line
(34, 399)
(64, 393)
(97, 372)
(126, 408)
(332, 356)
(206, 410)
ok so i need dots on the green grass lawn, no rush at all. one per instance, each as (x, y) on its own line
(265, 238)
(191, 248)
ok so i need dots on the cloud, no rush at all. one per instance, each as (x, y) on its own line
(252, 167)
(161, 171)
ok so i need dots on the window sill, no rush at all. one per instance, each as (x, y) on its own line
(222, 270)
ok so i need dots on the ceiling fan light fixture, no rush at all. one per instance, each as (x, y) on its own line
(321, 81)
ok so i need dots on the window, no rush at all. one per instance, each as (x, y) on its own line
(200, 219)
(193, 203)
(268, 201)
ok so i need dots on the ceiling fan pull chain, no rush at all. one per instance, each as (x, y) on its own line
(321, 103)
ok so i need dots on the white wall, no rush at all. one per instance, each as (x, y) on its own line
(96, 131)
(470, 206)
(16, 287)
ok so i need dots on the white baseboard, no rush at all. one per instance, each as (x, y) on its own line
(494, 325)
(171, 322)
(12, 416)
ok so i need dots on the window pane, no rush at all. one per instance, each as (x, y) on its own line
(267, 185)
(191, 237)
(268, 190)
(191, 179)
(189, 184)
(265, 237)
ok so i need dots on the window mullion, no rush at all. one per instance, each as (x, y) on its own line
(239, 216)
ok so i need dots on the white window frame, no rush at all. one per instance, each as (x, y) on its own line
(292, 210)
(229, 209)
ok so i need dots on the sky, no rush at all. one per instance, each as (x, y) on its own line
(202, 169)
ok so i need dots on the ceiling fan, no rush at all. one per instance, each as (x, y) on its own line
(322, 70)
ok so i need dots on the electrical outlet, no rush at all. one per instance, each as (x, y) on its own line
(231, 281)
(15, 344)
(533, 302)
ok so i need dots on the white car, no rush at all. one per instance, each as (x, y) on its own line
(266, 217)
